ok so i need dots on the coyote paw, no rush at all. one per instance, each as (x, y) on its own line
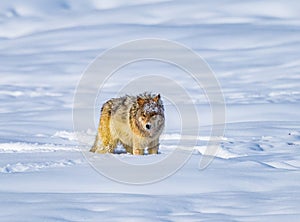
(138, 152)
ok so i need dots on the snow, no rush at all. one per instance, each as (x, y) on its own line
(253, 48)
(151, 107)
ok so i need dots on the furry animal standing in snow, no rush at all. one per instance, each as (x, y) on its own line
(134, 121)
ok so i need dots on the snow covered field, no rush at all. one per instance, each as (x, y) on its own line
(253, 48)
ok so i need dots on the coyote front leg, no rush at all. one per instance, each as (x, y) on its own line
(137, 149)
(153, 147)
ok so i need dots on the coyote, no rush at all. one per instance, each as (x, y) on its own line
(134, 121)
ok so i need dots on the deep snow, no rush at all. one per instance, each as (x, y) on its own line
(253, 48)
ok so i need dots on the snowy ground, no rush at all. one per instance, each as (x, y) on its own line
(253, 48)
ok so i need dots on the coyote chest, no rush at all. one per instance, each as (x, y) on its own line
(135, 122)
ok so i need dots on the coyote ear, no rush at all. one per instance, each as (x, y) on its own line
(156, 98)
(140, 101)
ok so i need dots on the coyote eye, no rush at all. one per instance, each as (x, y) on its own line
(144, 115)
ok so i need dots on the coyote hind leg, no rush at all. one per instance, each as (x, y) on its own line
(104, 143)
(97, 144)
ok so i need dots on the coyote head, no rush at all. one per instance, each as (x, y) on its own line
(150, 114)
